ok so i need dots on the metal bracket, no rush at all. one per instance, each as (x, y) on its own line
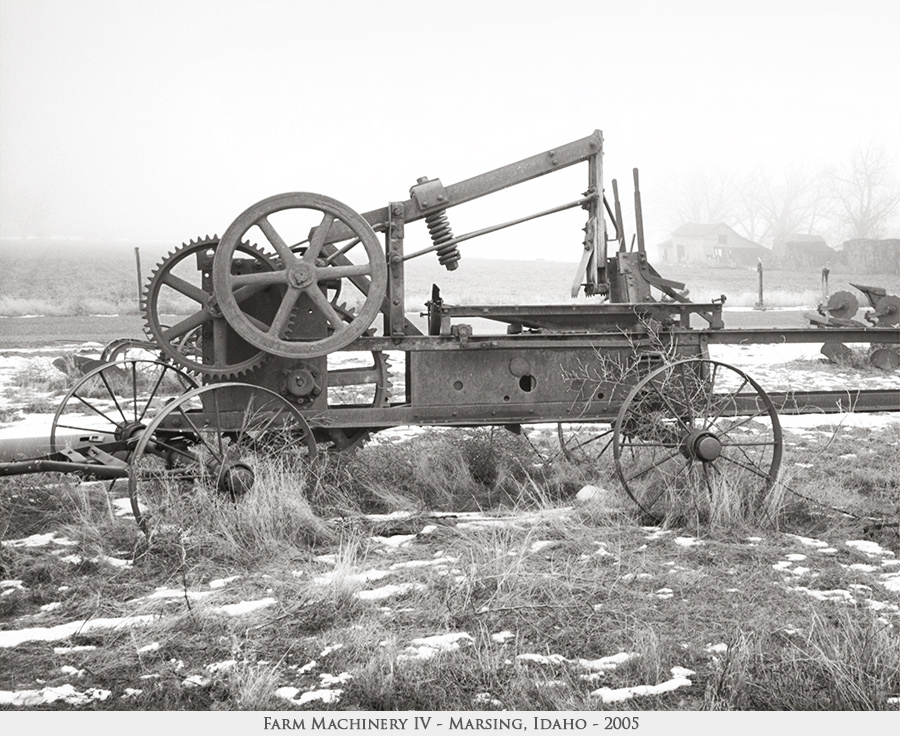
(429, 194)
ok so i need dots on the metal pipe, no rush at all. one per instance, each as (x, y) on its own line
(494, 228)
(62, 466)
(137, 259)
(638, 214)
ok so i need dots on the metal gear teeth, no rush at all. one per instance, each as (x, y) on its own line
(169, 351)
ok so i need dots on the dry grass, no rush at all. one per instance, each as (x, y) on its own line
(576, 581)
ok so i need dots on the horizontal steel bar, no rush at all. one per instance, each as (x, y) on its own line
(490, 182)
(769, 335)
(587, 338)
(25, 467)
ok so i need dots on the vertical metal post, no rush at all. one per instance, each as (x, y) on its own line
(395, 314)
(137, 260)
(638, 214)
(596, 281)
(825, 272)
(759, 269)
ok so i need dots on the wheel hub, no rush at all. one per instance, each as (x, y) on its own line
(301, 275)
(129, 430)
(703, 446)
(236, 479)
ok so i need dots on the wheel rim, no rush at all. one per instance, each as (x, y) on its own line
(698, 432)
(202, 437)
(115, 401)
(306, 271)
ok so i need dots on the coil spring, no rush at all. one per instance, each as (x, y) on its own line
(441, 234)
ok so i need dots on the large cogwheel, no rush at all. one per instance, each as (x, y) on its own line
(202, 341)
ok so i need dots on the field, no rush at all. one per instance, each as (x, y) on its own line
(454, 569)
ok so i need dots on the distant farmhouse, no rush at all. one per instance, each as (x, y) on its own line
(803, 252)
(873, 256)
(711, 245)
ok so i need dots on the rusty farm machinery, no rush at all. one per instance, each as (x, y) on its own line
(287, 326)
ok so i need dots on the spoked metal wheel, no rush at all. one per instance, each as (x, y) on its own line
(584, 444)
(697, 434)
(312, 238)
(112, 404)
(214, 438)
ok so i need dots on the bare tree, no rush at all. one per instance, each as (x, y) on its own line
(704, 196)
(865, 193)
(790, 204)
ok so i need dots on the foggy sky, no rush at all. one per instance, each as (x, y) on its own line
(163, 120)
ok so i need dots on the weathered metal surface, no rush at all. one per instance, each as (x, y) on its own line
(283, 323)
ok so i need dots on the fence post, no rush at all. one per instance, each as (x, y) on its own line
(759, 269)
(137, 260)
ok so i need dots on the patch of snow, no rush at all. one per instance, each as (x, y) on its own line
(340, 679)
(239, 609)
(719, 648)
(122, 507)
(795, 557)
(657, 534)
(15, 637)
(50, 606)
(68, 669)
(630, 576)
(326, 696)
(195, 681)
(860, 567)
(397, 540)
(486, 699)
(219, 666)
(502, 636)
(62, 693)
(222, 582)
(542, 544)
(434, 562)
(429, 646)
(329, 649)
(664, 593)
(872, 549)
(808, 541)
(39, 540)
(79, 648)
(606, 664)
(688, 541)
(608, 695)
(388, 591)
(360, 578)
(152, 647)
(891, 581)
(838, 594)
(194, 595)
(542, 658)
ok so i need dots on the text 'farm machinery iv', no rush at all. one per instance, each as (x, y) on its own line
(293, 336)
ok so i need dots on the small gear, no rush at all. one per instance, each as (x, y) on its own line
(202, 342)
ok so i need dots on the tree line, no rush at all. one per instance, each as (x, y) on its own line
(859, 198)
